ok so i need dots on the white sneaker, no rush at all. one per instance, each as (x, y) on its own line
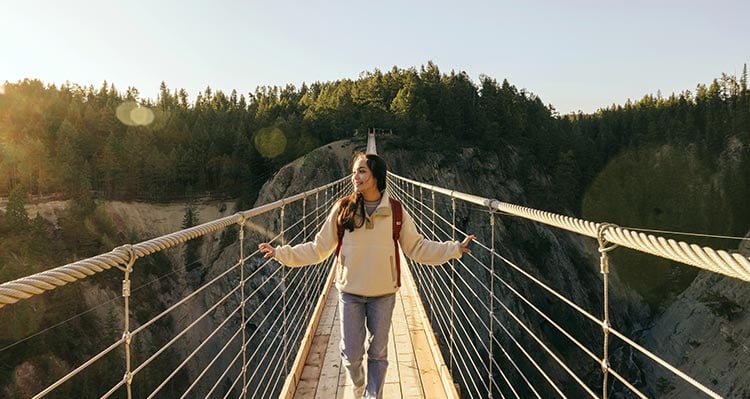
(359, 391)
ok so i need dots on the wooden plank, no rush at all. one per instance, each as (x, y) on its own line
(432, 385)
(407, 367)
(292, 380)
(449, 389)
(328, 383)
(310, 376)
(329, 312)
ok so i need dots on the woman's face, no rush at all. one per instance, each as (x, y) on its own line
(362, 178)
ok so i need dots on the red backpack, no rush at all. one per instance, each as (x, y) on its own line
(397, 218)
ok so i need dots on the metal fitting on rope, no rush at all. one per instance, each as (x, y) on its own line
(127, 337)
(604, 246)
(243, 219)
(605, 366)
(603, 240)
(128, 378)
(131, 257)
(606, 326)
(125, 288)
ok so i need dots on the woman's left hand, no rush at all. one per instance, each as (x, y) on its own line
(465, 243)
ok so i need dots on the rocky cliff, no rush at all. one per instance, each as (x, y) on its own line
(705, 333)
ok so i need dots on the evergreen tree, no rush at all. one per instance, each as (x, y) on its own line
(191, 256)
(16, 217)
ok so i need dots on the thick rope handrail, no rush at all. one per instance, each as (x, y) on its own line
(719, 261)
(26, 287)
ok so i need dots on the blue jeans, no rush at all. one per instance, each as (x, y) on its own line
(375, 313)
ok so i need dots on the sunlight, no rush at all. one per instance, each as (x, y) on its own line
(132, 114)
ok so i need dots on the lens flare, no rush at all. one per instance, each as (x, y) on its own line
(132, 114)
(270, 142)
(142, 116)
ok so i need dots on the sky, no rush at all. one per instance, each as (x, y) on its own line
(577, 55)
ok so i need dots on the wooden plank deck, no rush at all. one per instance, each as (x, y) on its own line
(413, 372)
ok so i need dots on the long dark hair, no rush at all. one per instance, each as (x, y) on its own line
(351, 214)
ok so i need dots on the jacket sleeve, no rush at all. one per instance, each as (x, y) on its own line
(314, 251)
(425, 251)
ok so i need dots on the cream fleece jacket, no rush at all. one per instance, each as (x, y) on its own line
(366, 264)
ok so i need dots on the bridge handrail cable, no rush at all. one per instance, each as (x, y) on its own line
(719, 261)
(26, 287)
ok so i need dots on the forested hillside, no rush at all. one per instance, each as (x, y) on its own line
(72, 139)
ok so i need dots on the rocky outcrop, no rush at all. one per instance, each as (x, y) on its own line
(705, 333)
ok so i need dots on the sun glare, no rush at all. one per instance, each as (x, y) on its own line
(132, 114)
(270, 142)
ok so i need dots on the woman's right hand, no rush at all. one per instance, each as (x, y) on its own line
(267, 250)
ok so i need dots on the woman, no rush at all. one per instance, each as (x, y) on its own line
(366, 276)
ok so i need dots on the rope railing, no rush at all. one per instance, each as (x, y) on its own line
(240, 310)
(26, 287)
(719, 261)
(475, 292)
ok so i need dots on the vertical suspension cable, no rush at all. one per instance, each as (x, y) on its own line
(453, 288)
(126, 337)
(433, 287)
(305, 275)
(604, 269)
(242, 306)
(317, 227)
(421, 209)
(492, 303)
(283, 296)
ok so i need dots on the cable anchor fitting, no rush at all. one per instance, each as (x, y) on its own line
(604, 246)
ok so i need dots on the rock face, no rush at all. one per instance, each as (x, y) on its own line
(94, 305)
(706, 334)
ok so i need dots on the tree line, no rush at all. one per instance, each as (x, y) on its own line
(81, 140)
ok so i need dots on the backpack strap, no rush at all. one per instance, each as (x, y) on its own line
(398, 216)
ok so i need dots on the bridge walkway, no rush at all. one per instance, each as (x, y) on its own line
(413, 371)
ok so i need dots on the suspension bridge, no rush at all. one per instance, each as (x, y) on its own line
(255, 329)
